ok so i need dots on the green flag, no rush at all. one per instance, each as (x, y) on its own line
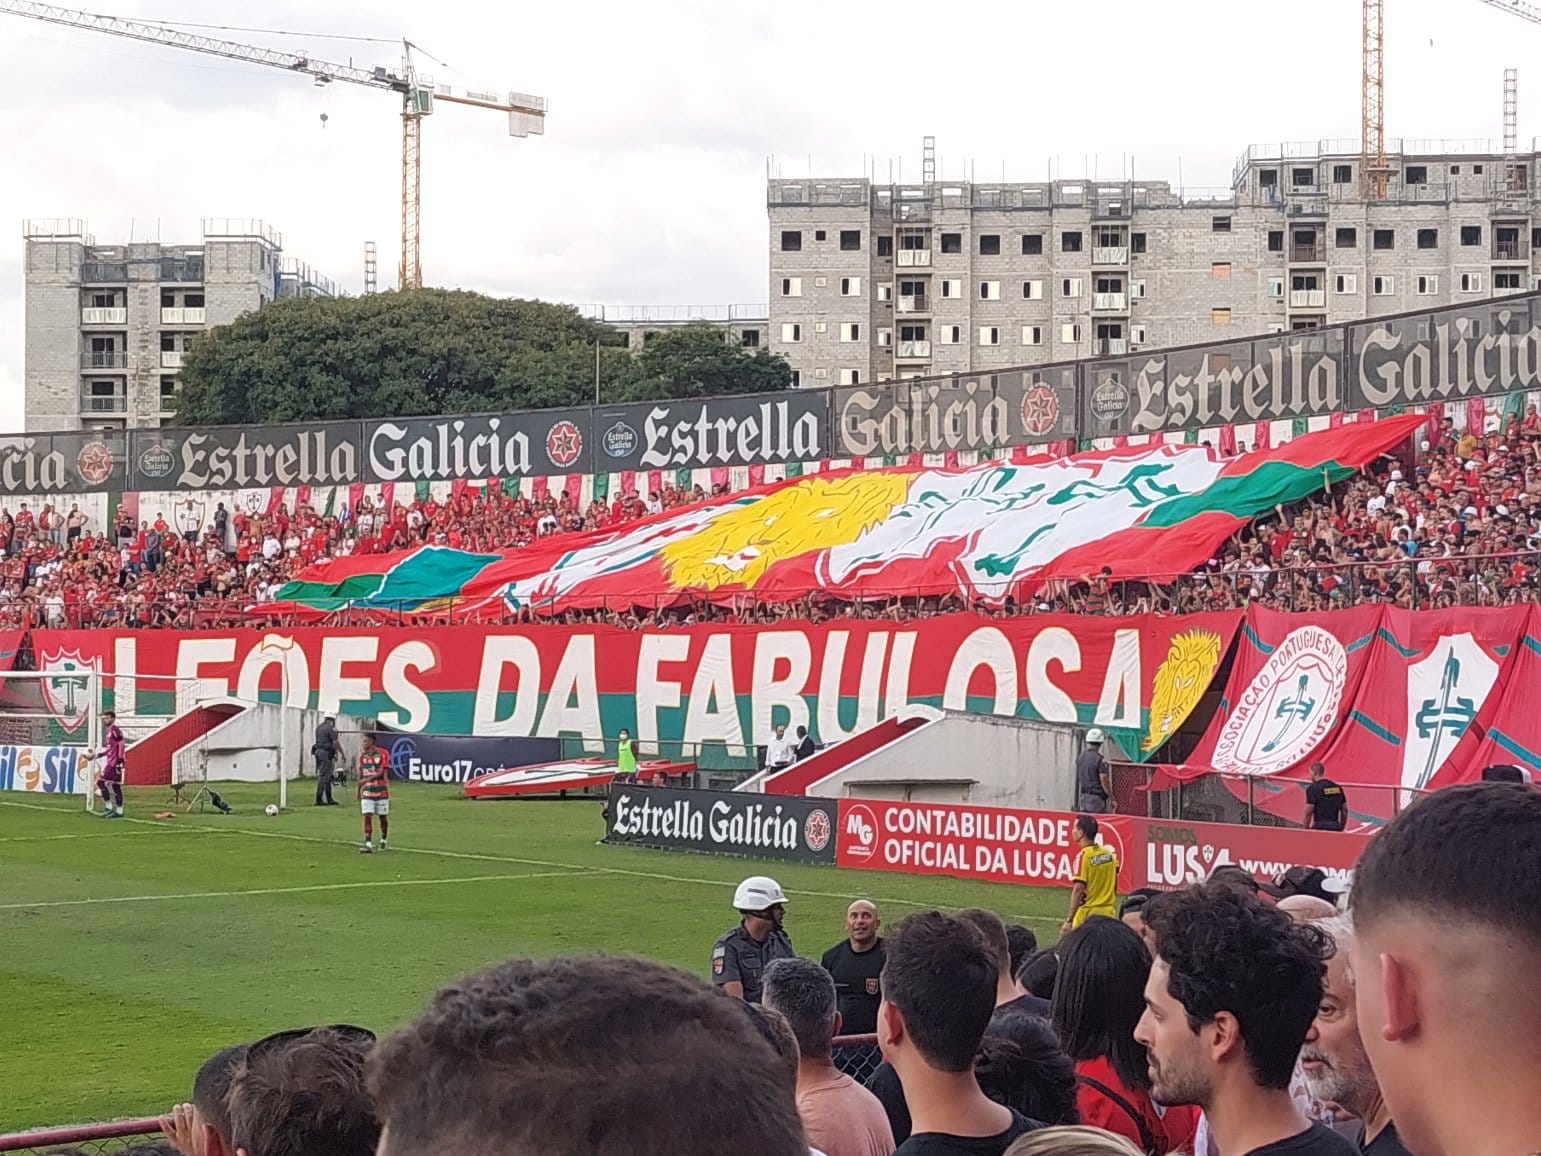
(602, 486)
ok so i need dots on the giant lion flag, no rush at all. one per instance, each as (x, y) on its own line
(988, 533)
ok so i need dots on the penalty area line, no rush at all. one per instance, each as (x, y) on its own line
(355, 886)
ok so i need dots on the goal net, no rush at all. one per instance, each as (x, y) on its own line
(50, 724)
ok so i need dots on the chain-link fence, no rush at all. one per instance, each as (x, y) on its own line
(143, 1135)
(857, 1056)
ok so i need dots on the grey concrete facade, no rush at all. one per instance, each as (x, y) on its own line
(107, 325)
(876, 282)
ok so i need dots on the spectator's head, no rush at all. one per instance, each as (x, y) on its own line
(1131, 911)
(1334, 1061)
(1233, 990)
(1084, 832)
(1073, 1140)
(1021, 1064)
(1317, 771)
(1100, 996)
(109, 717)
(582, 1057)
(994, 932)
(776, 1032)
(862, 924)
(1023, 943)
(301, 1093)
(211, 1111)
(804, 993)
(939, 982)
(1446, 948)
(1038, 973)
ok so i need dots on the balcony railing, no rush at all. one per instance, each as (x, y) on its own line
(182, 315)
(1509, 251)
(912, 258)
(918, 304)
(103, 403)
(171, 359)
(104, 315)
(1308, 298)
(1116, 302)
(1312, 253)
(103, 271)
(1110, 346)
(913, 351)
(1110, 254)
(104, 359)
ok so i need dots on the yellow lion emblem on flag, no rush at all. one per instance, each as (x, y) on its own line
(1180, 682)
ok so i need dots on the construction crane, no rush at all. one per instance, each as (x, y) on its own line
(526, 114)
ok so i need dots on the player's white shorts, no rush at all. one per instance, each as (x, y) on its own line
(375, 806)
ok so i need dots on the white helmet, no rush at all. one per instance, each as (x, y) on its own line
(758, 893)
(1094, 735)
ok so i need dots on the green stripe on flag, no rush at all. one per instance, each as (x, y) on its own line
(1243, 495)
(331, 595)
(794, 469)
(1299, 427)
(1190, 437)
(682, 479)
(601, 486)
(890, 460)
(510, 487)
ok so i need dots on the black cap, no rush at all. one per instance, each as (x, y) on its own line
(1300, 881)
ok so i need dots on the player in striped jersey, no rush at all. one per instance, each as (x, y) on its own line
(374, 792)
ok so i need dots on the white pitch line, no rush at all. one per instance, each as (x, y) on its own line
(100, 899)
(75, 835)
(483, 857)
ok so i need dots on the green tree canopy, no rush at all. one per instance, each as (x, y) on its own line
(434, 351)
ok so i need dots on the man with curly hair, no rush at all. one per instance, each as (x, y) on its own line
(1233, 990)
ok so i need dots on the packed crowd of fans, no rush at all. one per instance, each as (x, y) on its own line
(1232, 1018)
(1460, 525)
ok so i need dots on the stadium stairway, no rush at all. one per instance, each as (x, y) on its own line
(148, 761)
(797, 778)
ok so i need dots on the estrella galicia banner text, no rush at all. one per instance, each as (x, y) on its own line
(723, 431)
(722, 823)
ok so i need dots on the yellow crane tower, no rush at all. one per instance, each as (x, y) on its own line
(526, 114)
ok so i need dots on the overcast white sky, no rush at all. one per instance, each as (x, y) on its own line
(649, 185)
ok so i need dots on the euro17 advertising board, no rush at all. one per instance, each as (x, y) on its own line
(1137, 677)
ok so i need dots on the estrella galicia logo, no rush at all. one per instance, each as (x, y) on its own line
(157, 460)
(620, 440)
(1110, 399)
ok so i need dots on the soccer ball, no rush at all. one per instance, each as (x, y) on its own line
(89, 754)
(270, 810)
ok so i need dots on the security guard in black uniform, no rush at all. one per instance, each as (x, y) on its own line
(739, 956)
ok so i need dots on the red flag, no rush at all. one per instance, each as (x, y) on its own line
(1366, 415)
(719, 476)
(1476, 415)
(1436, 412)
(301, 497)
(1335, 420)
(655, 482)
(756, 475)
(628, 482)
(1019, 454)
(355, 495)
(917, 460)
(540, 486)
(1262, 436)
(275, 499)
(388, 497)
(1120, 441)
(950, 459)
(457, 489)
(574, 487)
(1227, 440)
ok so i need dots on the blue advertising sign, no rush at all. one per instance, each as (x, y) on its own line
(457, 758)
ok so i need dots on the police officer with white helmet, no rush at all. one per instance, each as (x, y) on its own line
(1093, 778)
(739, 956)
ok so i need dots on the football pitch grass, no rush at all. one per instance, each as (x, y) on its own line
(132, 949)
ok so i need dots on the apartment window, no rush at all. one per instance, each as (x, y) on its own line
(168, 387)
(1032, 335)
(950, 334)
(791, 241)
(1346, 283)
(885, 292)
(1032, 244)
(1383, 286)
(952, 287)
(1471, 234)
(989, 290)
(791, 332)
(1032, 290)
(952, 242)
(1383, 238)
(989, 335)
(819, 235)
(1107, 284)
(193, 300)
(797, 378)
(1219, 316)
(1219, 224)
(820, 326)
(1137, 288)
(1342, 174)
(1471, 282)
(885, 246)
(1535, 238)
(912, 333)
(1136, 335)
(1428, 238)
(1427, 285)
(1220, 270)
(1070, 333)
(885, 338)
(820, 282)
(850, 240)
(850, 286)
(749, 339)
(850, 376)
(1302, 177)
(850, 331)
(168, 342)
(1268, 178)
(1070, 287)
(1346, 238)
(1276, 240)
(1136, 242)
(791, 286)
(168, 299)
(1070, 241)
(1508, 279)
(1304, 281)
(989, 244)
(1477, 169)
(1276, 287)
(1415, 175)
(1455, 170)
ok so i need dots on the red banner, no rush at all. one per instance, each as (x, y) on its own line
(1135, 677)
(1035, 848)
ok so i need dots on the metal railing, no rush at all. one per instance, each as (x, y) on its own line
(1248, 800)
(105, 359)
(116, 1136)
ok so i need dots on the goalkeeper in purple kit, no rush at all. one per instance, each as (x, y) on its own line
(109, 784)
